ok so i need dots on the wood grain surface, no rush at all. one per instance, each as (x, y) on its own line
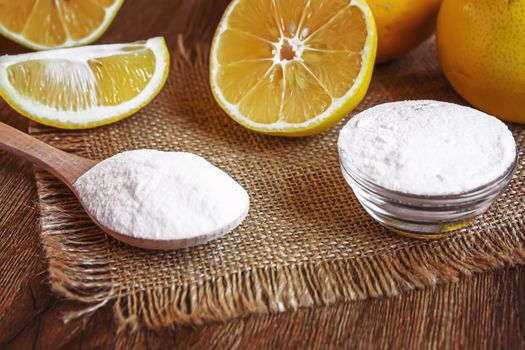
(66, 166)
(481, 312)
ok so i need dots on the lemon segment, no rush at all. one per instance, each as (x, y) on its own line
(48, 24)
(87, 86)
(292, 67)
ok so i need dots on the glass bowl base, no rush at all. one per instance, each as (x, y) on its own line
(447, 230)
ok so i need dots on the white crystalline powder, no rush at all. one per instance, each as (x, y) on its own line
(162, 195)
(426, 147)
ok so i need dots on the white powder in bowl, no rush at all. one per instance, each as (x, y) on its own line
(162, 195)
(426, 147)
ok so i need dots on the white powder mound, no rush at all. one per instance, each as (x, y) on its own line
(162, 195)
(426, 147)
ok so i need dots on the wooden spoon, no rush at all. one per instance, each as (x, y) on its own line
(68, 168)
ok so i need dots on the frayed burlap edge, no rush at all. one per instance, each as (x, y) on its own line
(91, 279)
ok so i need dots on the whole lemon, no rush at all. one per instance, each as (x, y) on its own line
(482, 50)
(402, 25)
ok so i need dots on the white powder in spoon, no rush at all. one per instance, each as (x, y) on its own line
(162, 195)
(426, 147)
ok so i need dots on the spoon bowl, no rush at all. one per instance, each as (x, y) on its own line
(68, 168)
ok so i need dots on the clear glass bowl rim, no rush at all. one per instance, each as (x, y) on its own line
(478, 193)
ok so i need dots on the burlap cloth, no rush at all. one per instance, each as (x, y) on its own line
(306, 241)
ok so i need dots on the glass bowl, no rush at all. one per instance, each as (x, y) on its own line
(420, 216)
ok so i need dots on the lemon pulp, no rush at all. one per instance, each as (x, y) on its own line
(104, 81)
(84, 87)
(292, 67)
(44, 24)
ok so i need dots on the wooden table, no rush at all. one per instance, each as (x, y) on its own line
(485, 311)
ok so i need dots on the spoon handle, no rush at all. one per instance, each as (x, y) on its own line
(67, 167)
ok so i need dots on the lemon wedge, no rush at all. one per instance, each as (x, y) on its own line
(292, 67)
(84, 87)
(47, 24)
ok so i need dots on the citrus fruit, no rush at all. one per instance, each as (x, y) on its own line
(84, 87)
(292, 67)
(402, 25)
(47, 24)
(482, 50)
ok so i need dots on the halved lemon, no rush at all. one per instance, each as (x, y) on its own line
(292, 67)
(87, 86)
(47, 24)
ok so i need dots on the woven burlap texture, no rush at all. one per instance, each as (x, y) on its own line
(306, 241)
